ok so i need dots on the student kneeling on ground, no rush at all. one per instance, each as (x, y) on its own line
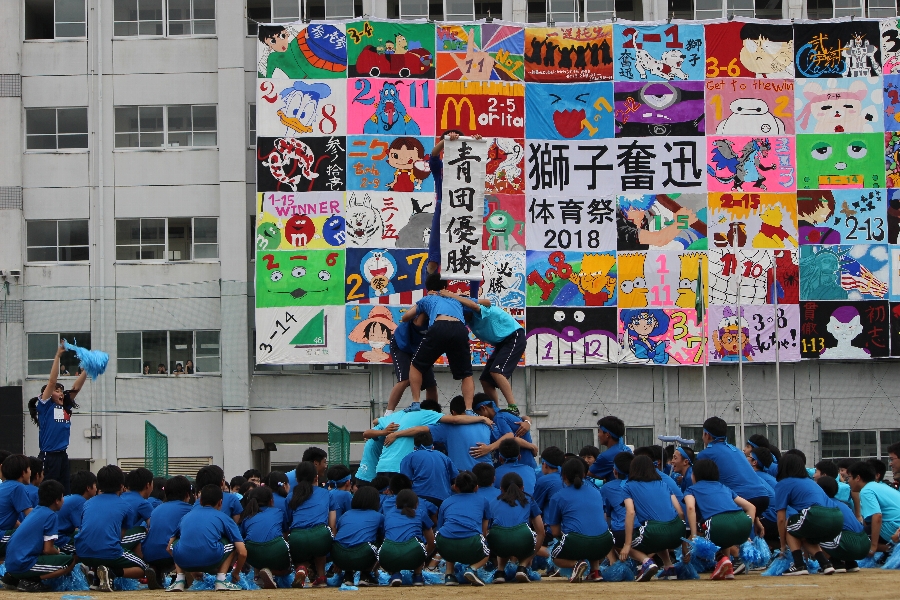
(852, 543)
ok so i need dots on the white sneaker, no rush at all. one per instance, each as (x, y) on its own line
(177, 586)
(105, 579)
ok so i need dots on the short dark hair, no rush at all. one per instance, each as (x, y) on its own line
(716, 427)
(845, 463)
(14, 466)
(827, 467)
(642, 469)
(705, 470)
(236, 482)
(573, 471)
(763, 457)
(894, 449)
(210, 495)
(646, 451)
(337, 472)
(509, 448)
(863, 470)
(589, 451)
(177, 488)
(457, 405)
(4, 454)
(796, 452)
(792, 465)
(423, 439)
(757, 440)
(110, 479)
(138, 479)
(614, 425)
(878, 466)
(36, 465)
(434, 283)
(159, 488)
(382, 482)
(553, 456)
(432, 405)
(466, 482)
(252, 473)
(407, 502)
(49, 492)
(80, 481)
(622, 463)
(366, 498)
(209, 475)
(398, 483)
(484, 474)
(314, 454)
(828, 485)
(266, 31)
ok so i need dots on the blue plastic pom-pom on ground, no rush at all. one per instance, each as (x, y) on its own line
(124, 584)
(893, 561)
(619, 571)
(871, 562)
(778, 567)
(686, 571)
(702, 549)
(756, 554)
(73, 582)
(284, 581)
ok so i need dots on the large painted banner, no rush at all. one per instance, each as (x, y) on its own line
(679, 193)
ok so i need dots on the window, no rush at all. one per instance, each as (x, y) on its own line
(331, 9)
(459, 10)
(848, 8)
(42, 350)
(175, 126)
(768, 9)
(56, 128)
(568, 440)
(715, 9)
(682, 9)
(562, 11)
(171, 239)
(599, 10)
(251, 119)
(639, 436)
(489, 8)
(696, 434)
(771, 433)
(849, 444)
(134, 18)
(882, 8)
(57, 241)
(819, 9)
(162, 352)
(55, 19)
(413, 9)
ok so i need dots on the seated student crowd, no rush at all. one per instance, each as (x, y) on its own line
(399, 521)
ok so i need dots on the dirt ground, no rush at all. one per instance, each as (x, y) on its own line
(870, 582)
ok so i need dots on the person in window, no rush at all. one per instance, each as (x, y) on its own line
(179, 369)
(146, 368)
(78, 372)
(63, 371)
(161, 369)
(189, 367)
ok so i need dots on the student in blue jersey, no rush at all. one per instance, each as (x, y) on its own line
(509, 452)
(214, 475)
(459, 439)
(575, 517)
(404, 343)
(103, 541)
(32, 556)
(68, 519)
(447, 334)
(816, 521)
(758, 440)
(614, 501)
(164, 523)
(15, 504)
(158, 495)
(506, 425)
(310, 519)
(829, 468)
(400, 443)
(682, 460)
(431, 472)
(262, 527)
(726, 518)
(37, 477)
(277, 482)
(734, 470)
(498, 328)
(373, 447)
(852, 543)
(408, 538)
(550, 481)
(610, 433)
(485, 475)
(338, 485)
(398, 484)
(654, 521)
(51, 412)
(462, 526)
(139, 483)
(516, 528)
(208, 541)
(760, 459)
(879, 506)
(654, 455)
(359, 533)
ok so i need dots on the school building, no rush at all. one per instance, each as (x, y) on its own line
(127, 225)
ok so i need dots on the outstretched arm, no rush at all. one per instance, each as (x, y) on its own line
(410, 432)
(410, 314)
(465, 420)
(374, 433)
(464, 300)
(54, 374)
(79, 383)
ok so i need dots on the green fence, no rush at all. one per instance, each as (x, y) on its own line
(338, 445)
(156, 450)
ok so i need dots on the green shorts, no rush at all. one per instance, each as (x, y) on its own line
(729, 529)
(467, 551)
(515, 541)
(126, 561)
(401, 556)
(274, 554)
(46, 564)
(361, 557)
(848, 546)
(816, 524)
(212, 568)
(307, 544)
(4, 540)
(133, 537)
(574, 546)
(654, 536)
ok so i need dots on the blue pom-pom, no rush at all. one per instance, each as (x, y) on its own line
(124, 584)
(207, 584)
(73, 582)
(540, 562)
(870, 562)
(486, 576)
(620, 571)
(248, 581)
(348, 588)
(532, 574)
(778, 567)
(284, 581)
(756, 554)
(812, 566)
(92, 361)
(703, 549)
(893, 561)
(432, 578)
(686, 571)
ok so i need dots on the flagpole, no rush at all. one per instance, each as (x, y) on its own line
(777, 347)
(740, 357)
(701, 300)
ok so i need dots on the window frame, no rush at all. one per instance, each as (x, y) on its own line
(166, 145)
(169, 360)
(56, 38)
(166, 33)
(57, 245)
(68, 357)
(165, 245)
(251, 125)
(591, 431)
(56, 134)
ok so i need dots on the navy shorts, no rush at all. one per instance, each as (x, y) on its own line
(402, 360)
(450, 338)
(505, 356)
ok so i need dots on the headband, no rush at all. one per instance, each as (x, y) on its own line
(749, 443)
(755, 457)
(549, 464)
(335, 482)
(482, 403)
(423, 447)
(684, 454)
(718, 438)
(608, 432)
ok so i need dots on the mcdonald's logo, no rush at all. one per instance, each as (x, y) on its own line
(458, 105)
